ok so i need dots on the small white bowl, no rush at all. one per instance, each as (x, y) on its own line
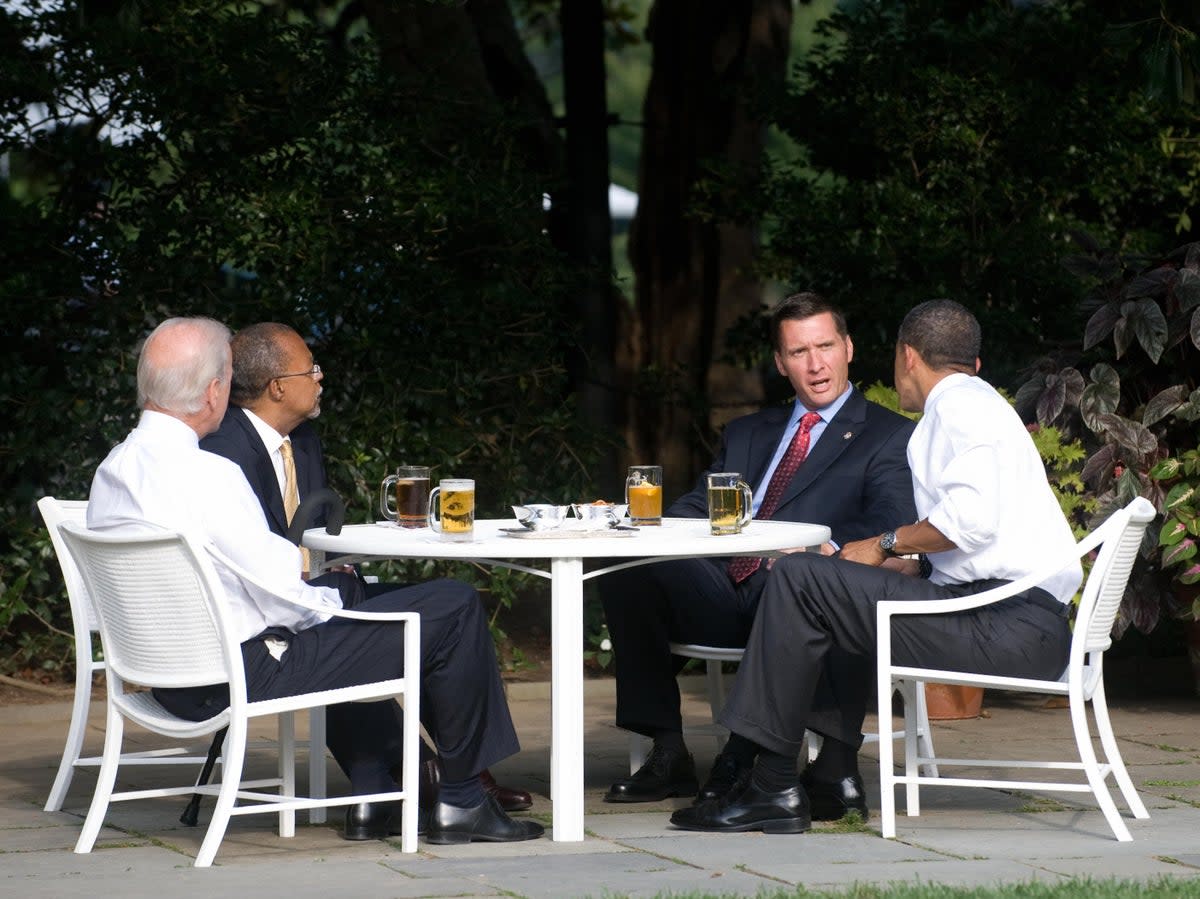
(541, 516)
(598, 516)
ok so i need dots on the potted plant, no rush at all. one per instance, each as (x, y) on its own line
(1129, 391)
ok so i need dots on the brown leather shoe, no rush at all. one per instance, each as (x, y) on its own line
(510, 800)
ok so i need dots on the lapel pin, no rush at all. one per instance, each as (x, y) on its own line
(847, 435)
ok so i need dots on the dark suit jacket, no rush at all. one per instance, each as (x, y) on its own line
(237, 440)
(856, 479)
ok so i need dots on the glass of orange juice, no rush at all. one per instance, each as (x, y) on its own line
(643, 492)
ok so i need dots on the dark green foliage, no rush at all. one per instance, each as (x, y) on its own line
(951, 148)
(252, 169)
(1129, 387)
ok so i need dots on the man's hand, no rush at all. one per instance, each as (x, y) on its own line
(865, 552)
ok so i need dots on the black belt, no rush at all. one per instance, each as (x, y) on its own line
(1039, 597)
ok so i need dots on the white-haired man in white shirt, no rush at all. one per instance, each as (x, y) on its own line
(160, 476)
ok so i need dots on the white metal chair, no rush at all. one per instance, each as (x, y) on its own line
(83, 622)
(162, 618)
(1082, 682)
(913, 695)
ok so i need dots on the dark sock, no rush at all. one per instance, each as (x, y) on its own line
(835, 761)
(370, 777)
(774, 773)
(461, 793)
(745, 751)
(670, 740)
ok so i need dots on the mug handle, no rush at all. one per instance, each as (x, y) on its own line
(747, 504)
(384, 495)
(434, 501)
(632, 481)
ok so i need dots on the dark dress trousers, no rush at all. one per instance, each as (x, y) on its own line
(855, 479)
(814, 606)
(462, 698)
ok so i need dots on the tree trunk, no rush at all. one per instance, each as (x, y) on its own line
(589, 226)
(693, 274)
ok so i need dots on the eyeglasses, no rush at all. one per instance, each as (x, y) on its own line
(312, 373)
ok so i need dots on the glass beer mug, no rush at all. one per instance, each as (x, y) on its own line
(730, 503)
(410, 487)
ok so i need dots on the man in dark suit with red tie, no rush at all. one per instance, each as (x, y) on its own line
(272, 398)
(830, 457)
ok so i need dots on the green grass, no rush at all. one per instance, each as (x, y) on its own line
(1162, 888)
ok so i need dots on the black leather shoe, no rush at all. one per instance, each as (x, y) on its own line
(833, 800)
(486, 822)
(749, 809)
(429, 777)
(379, 820)
(368, 821)
(510, 800)
(665, 774)
(726, 774)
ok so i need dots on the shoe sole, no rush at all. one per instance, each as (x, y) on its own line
(778, 825)
(362, 835)
(458, 837)
(677, 789)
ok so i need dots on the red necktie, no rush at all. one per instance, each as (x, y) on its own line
(744, 566)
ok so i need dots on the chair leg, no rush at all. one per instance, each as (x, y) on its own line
(317, 788)
(1112, 754)
(231, 779)
(114, 733)
(916, 696)
(887, 775)
(1091, 766)
(75, 733)
(287, 772)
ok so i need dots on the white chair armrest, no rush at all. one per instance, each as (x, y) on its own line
(335, 612)
(887, 608)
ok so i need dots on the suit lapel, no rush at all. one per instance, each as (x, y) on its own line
(837, 437)
(762, 444)
(266, 482)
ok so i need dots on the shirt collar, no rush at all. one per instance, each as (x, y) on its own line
(160, 424)
(943, 385)
(826, 412)
(271, 438)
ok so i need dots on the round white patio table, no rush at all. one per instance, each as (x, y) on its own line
(496, 544)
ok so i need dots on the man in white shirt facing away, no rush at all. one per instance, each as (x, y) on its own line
(160, 476)
(986, 516)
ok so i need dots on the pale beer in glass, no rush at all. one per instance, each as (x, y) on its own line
(454, 502)
(730, 503)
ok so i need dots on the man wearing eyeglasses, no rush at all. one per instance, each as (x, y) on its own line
(275, 395)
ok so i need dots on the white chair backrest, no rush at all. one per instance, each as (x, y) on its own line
(156, 600)
(54, 513)
(1101, 599)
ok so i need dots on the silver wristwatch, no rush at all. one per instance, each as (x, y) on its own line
(887, 542)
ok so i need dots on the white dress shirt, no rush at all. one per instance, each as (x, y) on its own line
(978, 478)
(160, 476)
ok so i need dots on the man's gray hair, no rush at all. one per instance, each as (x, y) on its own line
(177, 384)
(944, 333)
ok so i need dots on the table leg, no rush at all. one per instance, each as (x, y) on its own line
(566, 688)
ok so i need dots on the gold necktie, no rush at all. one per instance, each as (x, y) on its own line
(291, 494)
